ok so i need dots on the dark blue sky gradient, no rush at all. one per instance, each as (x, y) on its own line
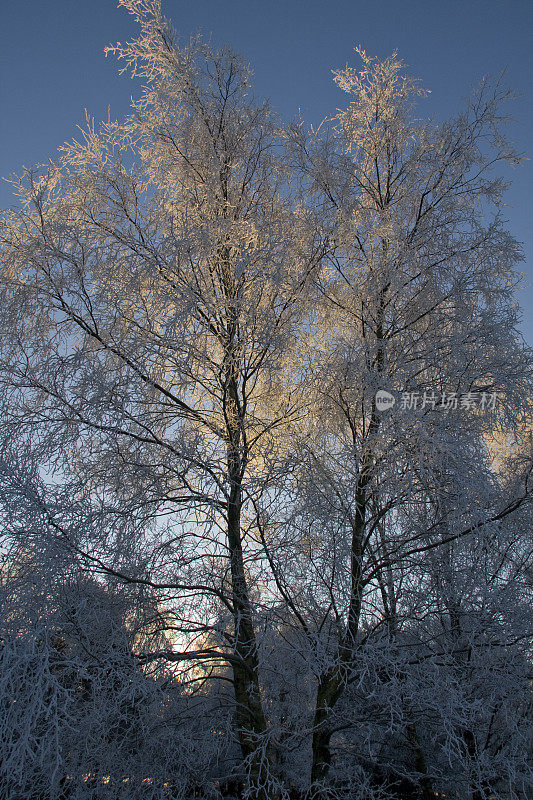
(52, 67)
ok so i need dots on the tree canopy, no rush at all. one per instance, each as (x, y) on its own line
(227, 569)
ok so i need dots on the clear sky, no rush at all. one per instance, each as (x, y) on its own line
(52, 67)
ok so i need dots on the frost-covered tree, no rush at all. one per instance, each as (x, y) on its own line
(198, 307)
(81, 717)
(164, 288)
(416, 300)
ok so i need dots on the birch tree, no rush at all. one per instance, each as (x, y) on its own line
(153, 265)
(415, 300)
(199, 305)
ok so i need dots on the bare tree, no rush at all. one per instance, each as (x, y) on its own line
(199, 306)
(416, 301)
(163, 289)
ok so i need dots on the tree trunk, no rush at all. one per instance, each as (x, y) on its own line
(420, 763)
(331, 684)
(328, 692)
(250, 717)
(251, 721)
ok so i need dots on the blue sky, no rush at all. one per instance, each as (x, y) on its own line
(52, 67)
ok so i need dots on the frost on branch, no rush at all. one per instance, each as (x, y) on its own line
(225, 571)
